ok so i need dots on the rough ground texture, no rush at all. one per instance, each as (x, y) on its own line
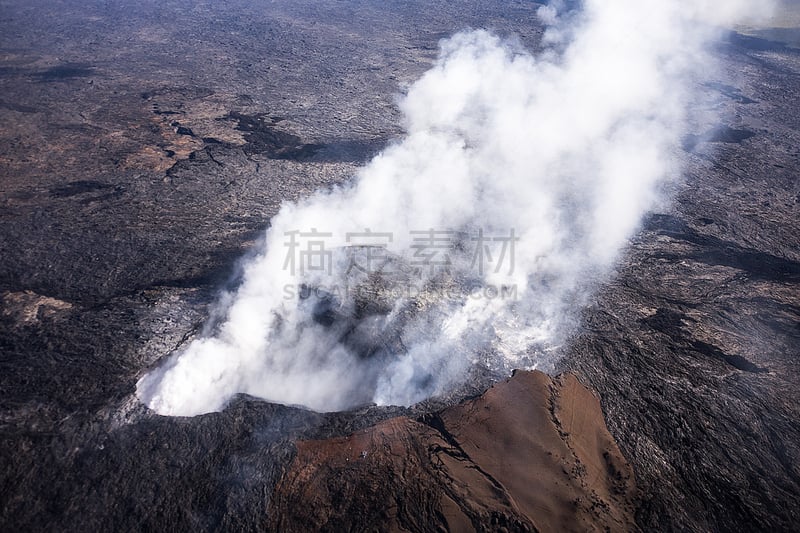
(694, 345)
(530, 454)
(142, 153)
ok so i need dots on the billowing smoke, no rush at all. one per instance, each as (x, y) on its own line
(474, 240)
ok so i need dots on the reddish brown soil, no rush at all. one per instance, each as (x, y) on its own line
(532, 453)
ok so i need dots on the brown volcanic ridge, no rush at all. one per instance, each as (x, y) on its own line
(531, 454)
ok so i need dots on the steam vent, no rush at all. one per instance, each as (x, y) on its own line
(361, 265)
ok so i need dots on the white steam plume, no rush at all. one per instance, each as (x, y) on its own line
(557, 157)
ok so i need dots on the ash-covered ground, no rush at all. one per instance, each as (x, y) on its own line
(142, 153)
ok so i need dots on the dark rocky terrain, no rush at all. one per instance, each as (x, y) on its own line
(142, 153)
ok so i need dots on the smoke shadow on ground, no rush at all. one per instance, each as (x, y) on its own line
(66, 71)
(264, 136)
(673, 325)
(720, 134)
(718, 252)
(757, 43)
